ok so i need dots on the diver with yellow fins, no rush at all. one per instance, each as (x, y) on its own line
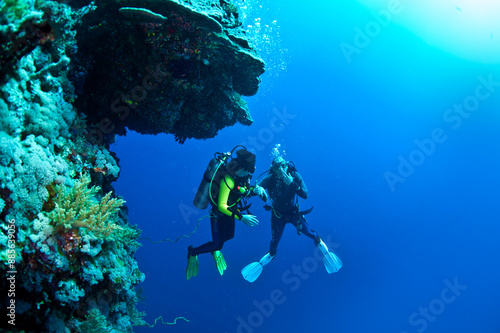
(226, 185)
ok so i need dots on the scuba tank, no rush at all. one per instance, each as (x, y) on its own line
(203, 195)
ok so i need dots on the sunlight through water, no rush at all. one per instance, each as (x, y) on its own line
(466, 28)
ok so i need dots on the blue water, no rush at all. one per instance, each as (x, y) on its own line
(420, 252)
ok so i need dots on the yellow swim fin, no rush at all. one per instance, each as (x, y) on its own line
(192, 267)
(219, 261)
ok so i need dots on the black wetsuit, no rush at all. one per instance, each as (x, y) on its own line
(285, 207)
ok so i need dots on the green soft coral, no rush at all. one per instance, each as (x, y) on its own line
(78, 208)
(96, 323)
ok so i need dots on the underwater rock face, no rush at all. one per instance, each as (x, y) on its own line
(163, 66)
(66, 247)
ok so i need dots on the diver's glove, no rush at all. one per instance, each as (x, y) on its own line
(250, 220)
(259, 190)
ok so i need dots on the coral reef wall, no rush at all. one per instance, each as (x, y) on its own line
(165, 66)
(74, 73)
(66, 249)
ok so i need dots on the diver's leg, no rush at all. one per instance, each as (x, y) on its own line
(214, 245)
(277, 227)
(226, 230)
(303, 227)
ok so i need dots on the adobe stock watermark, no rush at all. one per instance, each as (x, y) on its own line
(454, 117)
(420, 319)
(371, 30)
(292, 279)
(11, 272)
(258, 142)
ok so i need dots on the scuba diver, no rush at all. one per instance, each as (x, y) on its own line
(226, 185)
(283, 184)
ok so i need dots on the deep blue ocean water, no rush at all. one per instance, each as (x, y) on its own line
(399, 146)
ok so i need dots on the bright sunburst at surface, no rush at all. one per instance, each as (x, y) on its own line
(467, 29)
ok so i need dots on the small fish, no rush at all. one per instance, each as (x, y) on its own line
(77, 224)
(458, 8)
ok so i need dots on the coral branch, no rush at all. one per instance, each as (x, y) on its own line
(78, 208)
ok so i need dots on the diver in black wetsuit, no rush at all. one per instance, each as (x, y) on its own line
(284, 184)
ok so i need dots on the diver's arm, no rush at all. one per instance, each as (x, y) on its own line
(260, 188)
(299, 186)
(226, 185)
(225, 188)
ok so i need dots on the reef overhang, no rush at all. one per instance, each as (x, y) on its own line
(166, 67)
